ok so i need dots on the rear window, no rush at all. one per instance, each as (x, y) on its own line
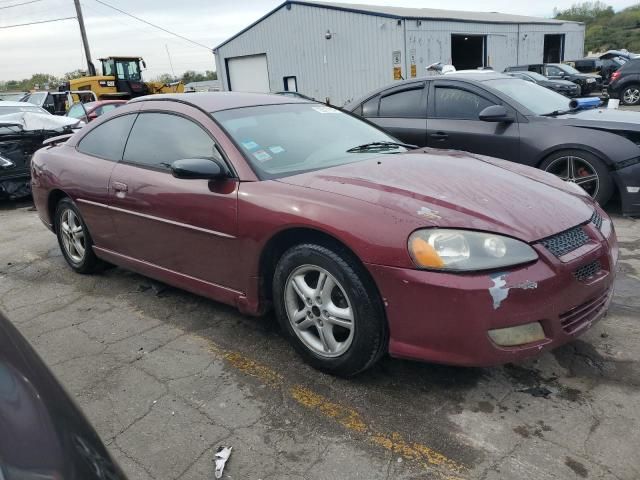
(631, 66)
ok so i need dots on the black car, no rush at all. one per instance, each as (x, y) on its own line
(625, 83)
(563, 87)
(587, 82)
(505, 117)
(44, 434)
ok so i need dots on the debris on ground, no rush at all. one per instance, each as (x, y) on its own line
(538, 391)
(221, 457)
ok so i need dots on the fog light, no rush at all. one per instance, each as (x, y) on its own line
(520, 335)
(633, 189)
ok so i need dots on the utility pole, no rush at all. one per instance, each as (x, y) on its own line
(85, 42)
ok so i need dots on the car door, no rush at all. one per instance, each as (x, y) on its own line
(453, 121)
(401, 111)
(98, 152)
(184, 226)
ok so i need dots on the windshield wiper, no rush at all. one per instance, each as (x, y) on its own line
(555, 113)
(367, 147)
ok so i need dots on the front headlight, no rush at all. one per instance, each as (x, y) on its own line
(464, 251)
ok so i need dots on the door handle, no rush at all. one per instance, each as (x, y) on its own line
(120, 187)
(439, 136)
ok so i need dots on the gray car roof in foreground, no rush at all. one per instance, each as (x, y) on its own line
(216, 101)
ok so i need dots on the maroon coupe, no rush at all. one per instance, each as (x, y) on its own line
(361, 246)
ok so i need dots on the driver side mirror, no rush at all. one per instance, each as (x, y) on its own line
(496, 113)
(199, 168)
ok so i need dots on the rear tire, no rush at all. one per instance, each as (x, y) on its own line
(630, 95)
(74, 238)
(588, 171)
(329, 309)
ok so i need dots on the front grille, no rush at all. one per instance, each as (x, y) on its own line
(567, 241)
(596, 219)
(574, 319)
(587, 271)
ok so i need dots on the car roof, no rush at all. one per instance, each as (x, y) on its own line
(480, 76)
(6, 103)
(216, 101)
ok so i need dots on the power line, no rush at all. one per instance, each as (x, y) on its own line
(18, 4)
(153, 25)
(36, 23)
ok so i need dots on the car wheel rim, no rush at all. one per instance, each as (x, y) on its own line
(631, 95)
(576, 170)
(72, 235)
(319, 311)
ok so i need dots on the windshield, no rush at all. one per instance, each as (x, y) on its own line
(285, 139)
(128, 70)
(7, 110)
(567, 68)
(539, 100)
(535, 76)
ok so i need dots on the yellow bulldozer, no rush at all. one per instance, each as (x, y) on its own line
(121, 79)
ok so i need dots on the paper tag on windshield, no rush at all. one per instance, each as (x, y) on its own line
(325, 109)
(276, 149)
(262, 156)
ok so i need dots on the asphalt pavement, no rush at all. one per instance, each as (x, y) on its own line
(166, 377)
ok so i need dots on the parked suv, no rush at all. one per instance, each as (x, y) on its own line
(625, 83)
(559, 71)
(600, 66)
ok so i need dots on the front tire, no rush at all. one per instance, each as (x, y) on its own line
(583, 169)
(630, 95)
(329, 309)
(74, 238)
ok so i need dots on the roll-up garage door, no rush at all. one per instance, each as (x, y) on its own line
(248, 74)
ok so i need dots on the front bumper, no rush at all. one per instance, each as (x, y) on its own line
(628, 182)
(445, 318)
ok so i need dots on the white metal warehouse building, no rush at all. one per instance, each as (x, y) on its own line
(341, 51)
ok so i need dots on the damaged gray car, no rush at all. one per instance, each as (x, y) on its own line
(23, 130)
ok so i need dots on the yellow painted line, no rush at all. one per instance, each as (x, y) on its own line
(347, 417)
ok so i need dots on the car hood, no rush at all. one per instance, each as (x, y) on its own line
(558, 83)
(602, 118)
(459, 190)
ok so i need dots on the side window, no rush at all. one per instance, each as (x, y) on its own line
(553, 72)
(158, 139)
(370, 107)
(106, 108)
(404, 104)
(458, 104)
(76, 111)
(108, 139)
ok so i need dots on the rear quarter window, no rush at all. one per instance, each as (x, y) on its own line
(108, 139)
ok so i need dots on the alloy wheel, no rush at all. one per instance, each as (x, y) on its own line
(576, 170)
(73, 237)
(319, 311)
(631, 96)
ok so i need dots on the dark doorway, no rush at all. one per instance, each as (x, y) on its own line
(468, 51)
(553, 49)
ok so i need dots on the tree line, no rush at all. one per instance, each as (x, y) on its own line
(605, 29)
(45, 81)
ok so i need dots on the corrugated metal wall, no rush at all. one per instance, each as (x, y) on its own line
(359, 56)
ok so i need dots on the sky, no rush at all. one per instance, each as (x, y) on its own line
(56, 48)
